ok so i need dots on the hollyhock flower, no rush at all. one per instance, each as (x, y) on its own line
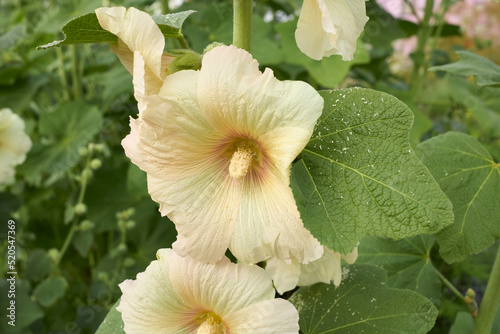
(412, 10)
(330, 27)
(180, 295)
(14, 144)
(140, 47)
(217, 145)
(287, 275)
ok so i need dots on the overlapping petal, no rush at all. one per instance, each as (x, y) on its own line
(137, 34)
(329, 27)
(287, 275)
(176, 295)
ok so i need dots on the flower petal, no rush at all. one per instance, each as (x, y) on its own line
(351, 257)
(277, 316)
(285, 274)
(269, 225)
(171, 139)
(236, 97)
(203, 208)
(328, 27)
(136, 31)
(326, 269)
(222, 288)
(150, 304)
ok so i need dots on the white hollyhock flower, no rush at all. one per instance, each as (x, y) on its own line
(140, 47)
(288, 274)
(217, 145)
(180, 295)
(330, 27)
(14, 144)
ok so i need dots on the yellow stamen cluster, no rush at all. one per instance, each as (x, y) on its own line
(241, 161)
(212, 325)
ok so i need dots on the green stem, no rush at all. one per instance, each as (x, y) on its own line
(451, 287)
(242, 24)
(75, 73)
(491, 299)
(62, 74)
(183, 42)
(164, 6)
(74, 224)
(418, 75)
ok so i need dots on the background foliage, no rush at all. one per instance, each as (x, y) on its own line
(85, 221)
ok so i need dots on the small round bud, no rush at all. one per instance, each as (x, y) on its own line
(102, 276)
(122, 248)
(129, 224)
(470, 295)
(83, 151)
(80, 208)
(128, 262)
(53, 253)
(86, 225)
(86, 174)
(99, 147)
(130, 212)
(95, 164)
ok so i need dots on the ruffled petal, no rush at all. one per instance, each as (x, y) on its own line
(328, 27)
(136, 32)
(285, 274)
(149, 304)
(236, 97)
(277, 316)
(171, 139)
(222, 288)
(203, 208)
(269, 225)
(326, 269)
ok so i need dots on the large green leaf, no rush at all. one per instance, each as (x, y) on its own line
(406, 261)
(359, 176)
(66, 129)
(468, 175)
(487, 73)
(86, 29)
(113, 323)
(362, 304)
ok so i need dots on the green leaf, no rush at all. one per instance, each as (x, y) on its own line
(359, 176)
(171, 24)
(71, 126)
(487, 73)
(328, 72)
(50, 290)
(38, 265)
(406, 261)
(83, 29)
(362, 304)
(86, 29)
(82, 241)
(468, 175)
(113, 323)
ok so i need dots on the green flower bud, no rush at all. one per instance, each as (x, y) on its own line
(99, 147)
(53, 253)
(129, 224)
(80, 208)
(95, 164)
(128, 262)
(86, 225)
(122, 248)
(86, 174)
(83, 151)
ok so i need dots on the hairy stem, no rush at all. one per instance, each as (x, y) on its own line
(242, 24)
(491, 299)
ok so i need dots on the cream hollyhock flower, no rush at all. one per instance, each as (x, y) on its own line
(14, 144)
(180, 295)
(330, 27)
(140, 47)
(217, 145)
(287, 275)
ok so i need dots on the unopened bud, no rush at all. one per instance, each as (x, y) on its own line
(86, 225)
(83, 151)
(470, 296)
(95, 164)
(53, 253)
(80, 208)
(128, 262)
